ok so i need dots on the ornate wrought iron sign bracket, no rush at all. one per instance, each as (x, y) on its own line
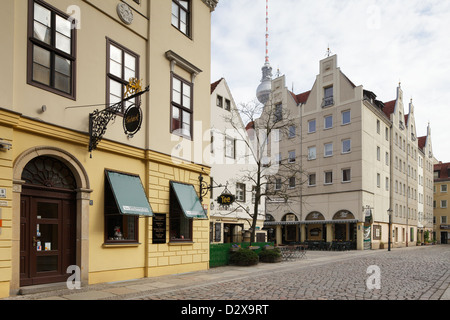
(204, 187)
(99, 119)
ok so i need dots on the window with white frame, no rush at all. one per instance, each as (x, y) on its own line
(230, 145)
(328, 122)
(346, 117)
(312, 153)
(312, 179)
(328, 177)
(312, 126)
(443, 203)
(291, 156)
(240, 192)
(278, 184)
(346, 146)
(328, 149)
(443, 188)
(292, 182)
(346, 175)
(291, 131)
(378, 180)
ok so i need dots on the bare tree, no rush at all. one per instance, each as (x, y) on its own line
(275, 177)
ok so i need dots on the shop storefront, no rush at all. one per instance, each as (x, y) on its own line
(113, 216)
(317, 232)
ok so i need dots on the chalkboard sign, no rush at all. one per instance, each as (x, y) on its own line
(159, 228)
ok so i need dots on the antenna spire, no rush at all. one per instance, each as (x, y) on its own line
(265, 87)
(267, 31)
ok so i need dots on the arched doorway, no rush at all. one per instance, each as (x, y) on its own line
(344, 226)
(315, 226)
(48, 213)
(289, 229)
(82, 192)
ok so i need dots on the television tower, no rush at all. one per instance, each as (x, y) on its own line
(265, 88)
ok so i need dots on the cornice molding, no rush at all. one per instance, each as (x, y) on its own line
(211, 4)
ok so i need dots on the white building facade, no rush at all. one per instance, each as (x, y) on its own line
(231, 167)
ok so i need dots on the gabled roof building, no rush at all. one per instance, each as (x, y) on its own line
(365, 170)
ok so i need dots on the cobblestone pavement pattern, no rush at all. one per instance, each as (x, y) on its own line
(414, 273)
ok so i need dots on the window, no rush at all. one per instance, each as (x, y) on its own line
(378, 153)
(346, 117)
(346, 146)
(443, 219)
(387, 184)
(312, 153)
(51, 50)
(378, 126)
(312, 179)
(312, 126)
(278, 184)
(328, 177)
(291, 131)
(230, 145)
(443, 188)
(227, 105)
(387, 158)
(378, 180)
(346, 175)
(278, 158)
(443, 203)
(387, 134)
(179, 225)
(278, 116)
(118, 227)
(328, 150)
(328, 97)
(219, 101)
(292, 182)
(122, 65)
(181, 16)
(240, 192)
(181, 107)
(291, 156)
(328, 122)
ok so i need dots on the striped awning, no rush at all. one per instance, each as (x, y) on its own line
(283, 223)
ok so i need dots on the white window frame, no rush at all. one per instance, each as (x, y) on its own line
(325, 152)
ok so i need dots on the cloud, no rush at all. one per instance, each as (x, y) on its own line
(378, 44)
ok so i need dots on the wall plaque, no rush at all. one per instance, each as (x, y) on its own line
(159, 228)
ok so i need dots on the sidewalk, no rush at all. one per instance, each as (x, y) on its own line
(134, 289)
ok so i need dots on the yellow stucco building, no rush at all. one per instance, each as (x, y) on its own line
(89, 181)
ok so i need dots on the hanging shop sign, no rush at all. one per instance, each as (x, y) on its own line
(99, 119)
(132, 120)
(226, 199)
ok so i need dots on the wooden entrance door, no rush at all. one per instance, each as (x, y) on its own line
(48, 235)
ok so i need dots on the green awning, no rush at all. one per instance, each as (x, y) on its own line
(188, 200)
(129, 194)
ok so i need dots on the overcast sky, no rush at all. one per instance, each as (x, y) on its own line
(378, 44)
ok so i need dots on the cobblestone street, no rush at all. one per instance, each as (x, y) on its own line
(417, 273)
(414, 273)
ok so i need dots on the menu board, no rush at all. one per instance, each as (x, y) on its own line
(159, 228)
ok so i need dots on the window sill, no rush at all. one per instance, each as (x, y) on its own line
(180, 243)
(120, 245)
